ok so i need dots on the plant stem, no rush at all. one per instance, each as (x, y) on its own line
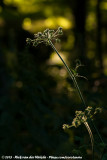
(75, 83)
(70, 73)
(81, 97)
(91, 137)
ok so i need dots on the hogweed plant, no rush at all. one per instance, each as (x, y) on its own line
(48, 37)
(82, 117)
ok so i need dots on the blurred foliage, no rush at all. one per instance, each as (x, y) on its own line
(37, 96)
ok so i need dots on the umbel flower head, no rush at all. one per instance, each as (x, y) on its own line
(82, 117)
(45, 37)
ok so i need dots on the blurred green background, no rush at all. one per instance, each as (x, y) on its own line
(36, 94)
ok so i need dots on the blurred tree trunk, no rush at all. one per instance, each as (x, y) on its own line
(80, 16)
(1, 3)
(99, 45)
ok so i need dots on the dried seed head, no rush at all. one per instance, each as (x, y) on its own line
(35, 35)
(60, 28)
(98, 110)
(45, 37)
(39, 34)
(65, 126)
(28, 40)
(51, 31)
(46, 31)
(60, 32)
(35, 43)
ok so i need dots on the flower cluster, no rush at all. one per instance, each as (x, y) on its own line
(90, 111)
(65, 126)
(45, 37)
(82, 117)
(79, 119)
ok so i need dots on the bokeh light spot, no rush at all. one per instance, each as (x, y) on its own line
(103, 5)
(26, 24)
(53, 22)
(91, 21)
(54, 59)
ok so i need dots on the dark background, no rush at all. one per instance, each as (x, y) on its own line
(36, 94)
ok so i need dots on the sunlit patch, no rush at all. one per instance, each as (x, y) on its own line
(49, 22)
(103, 5)
(65, 23)
(29, 8)
(24, 6)
(91, 21)
(33, 25)
(54, 59)
(8, 2)
(53, 22)
(26, 24)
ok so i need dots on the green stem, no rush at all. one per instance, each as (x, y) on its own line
(70, 73)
